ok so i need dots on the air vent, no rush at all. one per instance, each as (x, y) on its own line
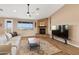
(37, 9)
(1, 9)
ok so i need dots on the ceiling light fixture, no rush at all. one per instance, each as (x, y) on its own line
(37, 9)
(14, 10)
(28, 13)
(1, 9)
(37, 13)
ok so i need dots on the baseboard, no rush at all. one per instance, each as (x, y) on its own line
(69, 42)
(74, 45)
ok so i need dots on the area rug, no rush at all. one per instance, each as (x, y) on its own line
(45, 49)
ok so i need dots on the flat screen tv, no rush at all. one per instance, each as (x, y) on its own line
(61, 31)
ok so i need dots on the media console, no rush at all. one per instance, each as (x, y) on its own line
(61, 31)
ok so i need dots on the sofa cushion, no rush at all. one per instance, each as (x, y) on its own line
(15, 40)
(3, 39)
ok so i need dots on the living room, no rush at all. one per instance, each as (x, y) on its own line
(39, 24)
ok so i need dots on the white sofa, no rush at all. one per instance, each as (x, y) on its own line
(14, 41)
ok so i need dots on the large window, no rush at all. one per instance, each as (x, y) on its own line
(25, 25)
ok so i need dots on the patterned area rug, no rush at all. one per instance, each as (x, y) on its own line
(45, 49)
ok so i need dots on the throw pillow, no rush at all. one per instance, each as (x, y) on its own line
(8, 35)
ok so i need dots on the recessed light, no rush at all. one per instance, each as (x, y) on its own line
(14, 10)
(1, 9)
(37, 9)
(37, 13)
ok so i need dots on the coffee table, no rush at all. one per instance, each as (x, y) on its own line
(33, 43)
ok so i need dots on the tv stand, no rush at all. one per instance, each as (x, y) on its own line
(63, 35)
(65, 40)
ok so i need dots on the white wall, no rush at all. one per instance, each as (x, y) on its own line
(49, 27)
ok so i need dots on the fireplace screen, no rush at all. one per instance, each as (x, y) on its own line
(42, 30)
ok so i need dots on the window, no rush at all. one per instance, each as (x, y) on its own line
(9, 25)
(25, 25)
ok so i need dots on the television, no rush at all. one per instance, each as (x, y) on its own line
(60, 31)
